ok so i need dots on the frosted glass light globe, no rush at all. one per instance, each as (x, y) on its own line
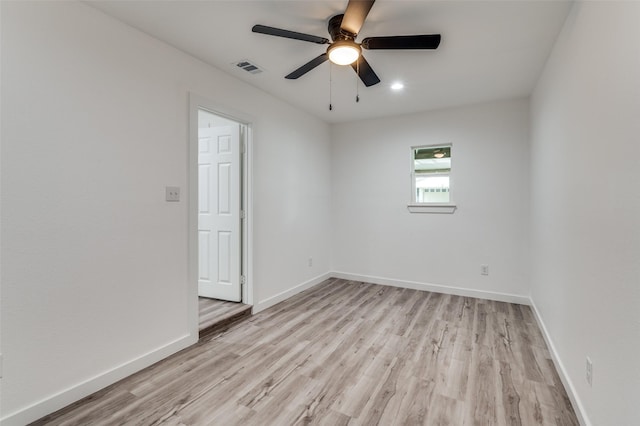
(343, 53)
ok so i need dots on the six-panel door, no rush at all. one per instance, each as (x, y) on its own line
(219, 213)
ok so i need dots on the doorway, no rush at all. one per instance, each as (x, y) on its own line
(219, 228)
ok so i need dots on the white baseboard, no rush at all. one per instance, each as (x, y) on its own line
(458, 291)
(562, 372)
(77, 392)
(86, 388)
(500, 297)
(270, 301)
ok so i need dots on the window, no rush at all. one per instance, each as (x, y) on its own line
(430, 178)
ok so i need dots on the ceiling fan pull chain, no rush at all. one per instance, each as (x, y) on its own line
(330, 84)
(357, 78)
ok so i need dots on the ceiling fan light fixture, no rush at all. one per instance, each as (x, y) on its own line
(344, 29)
(344, 52)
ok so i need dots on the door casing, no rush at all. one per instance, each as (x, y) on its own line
(197, 102)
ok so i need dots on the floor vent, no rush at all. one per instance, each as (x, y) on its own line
(249, 66)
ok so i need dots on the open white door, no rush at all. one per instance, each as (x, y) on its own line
(219, 236)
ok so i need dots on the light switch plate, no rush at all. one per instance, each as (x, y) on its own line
(172, 193)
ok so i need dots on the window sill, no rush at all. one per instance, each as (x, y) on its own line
(432, 208)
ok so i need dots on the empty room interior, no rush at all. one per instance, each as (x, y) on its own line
(442, 229)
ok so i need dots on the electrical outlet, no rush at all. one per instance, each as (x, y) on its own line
(172, 193)
(589, 371)
(310, 262)
(484, 269)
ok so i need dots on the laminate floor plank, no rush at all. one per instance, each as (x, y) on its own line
(348, 353)
(216, 315)
(210, 310)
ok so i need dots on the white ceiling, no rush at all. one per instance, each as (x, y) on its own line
(489, 50)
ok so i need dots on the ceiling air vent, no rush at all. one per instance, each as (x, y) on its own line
(248, 66)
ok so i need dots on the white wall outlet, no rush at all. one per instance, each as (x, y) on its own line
(310, 262)
(172, 193)
(589, 371)
(484, 269)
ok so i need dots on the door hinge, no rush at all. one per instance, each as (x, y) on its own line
(243, 280)
(242, 214)
(243, 147)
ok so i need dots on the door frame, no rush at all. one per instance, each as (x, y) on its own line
(197, 102)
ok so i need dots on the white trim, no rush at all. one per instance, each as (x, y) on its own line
(437, 288)
(273, 300)
(432, 208)
(94, 384)
(412, 173)
(247, 231)
(75, 393)
(199, 102)
(578, 407)
(500, 297)
(192, 217)
(81, 390)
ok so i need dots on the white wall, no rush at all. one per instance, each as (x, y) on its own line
(94, 267)
(586, 206)
(1, 363)
(375, 236)
(94, 125)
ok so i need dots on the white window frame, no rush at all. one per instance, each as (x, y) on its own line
(413, 206)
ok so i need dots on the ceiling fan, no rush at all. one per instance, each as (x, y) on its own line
(344, 50)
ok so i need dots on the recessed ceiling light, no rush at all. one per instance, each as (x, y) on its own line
(397, 86)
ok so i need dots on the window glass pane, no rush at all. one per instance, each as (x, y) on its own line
(432, 189)
(432, 166)
(432, 160)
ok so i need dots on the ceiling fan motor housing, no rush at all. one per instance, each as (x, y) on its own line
(336, 33)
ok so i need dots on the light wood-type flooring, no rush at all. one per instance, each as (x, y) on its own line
(349, 353)
(214, 315)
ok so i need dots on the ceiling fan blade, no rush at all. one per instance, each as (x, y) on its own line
(365, 72)
(354, 16)
(263, 29)
(426, 41)
(307, 67)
